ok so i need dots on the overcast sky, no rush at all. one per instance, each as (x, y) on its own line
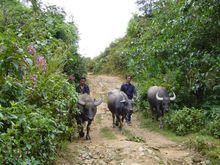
(99, 21)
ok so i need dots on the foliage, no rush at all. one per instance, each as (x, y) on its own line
(189, 120)
(89, 63)
(186, 121)
(213, 128)
(11, 90)
(206, 146)
(27, 135)
(200, 141)
(76, 66)
(37, 103)
(175, 45)
(112, 60)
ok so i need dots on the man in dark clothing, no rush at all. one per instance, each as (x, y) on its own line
(130, 91)
(83, 87)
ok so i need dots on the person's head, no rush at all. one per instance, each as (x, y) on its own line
(82, 80)
(128, 78)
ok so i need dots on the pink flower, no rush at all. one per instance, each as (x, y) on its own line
(42, 63)
(31, 50)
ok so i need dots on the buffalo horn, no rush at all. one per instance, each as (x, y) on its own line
(159, 98)
(96, 103)
(122, 101)
(174, 97)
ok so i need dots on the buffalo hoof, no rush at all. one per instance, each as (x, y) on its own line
(81, 134)
(117, 124)
(88, 137)
(120, 128)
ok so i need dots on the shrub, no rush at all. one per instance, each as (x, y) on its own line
(213, 127)
(31, 129)
(205, 146)
(37, 104)
(28, 135)
(185, 121)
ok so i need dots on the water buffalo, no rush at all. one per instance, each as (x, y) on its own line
(88, 108)
(159, 100)
(119, 105)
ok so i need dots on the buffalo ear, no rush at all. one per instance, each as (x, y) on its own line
(81, 102)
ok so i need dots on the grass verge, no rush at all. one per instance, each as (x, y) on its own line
(131, 137)
(204, 144)
(107, 133)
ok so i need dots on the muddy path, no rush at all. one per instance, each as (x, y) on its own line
(132, 146)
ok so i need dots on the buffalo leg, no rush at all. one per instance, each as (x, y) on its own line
(122, 119)
(153, 112)
(80, 130)
(128, 117)
(157, 112)
(88, 129)
(80, 126)
(161, 123)
(113, 119)
(121, 124)
(118, 121)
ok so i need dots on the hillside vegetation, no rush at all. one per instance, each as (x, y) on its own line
(38, 49)
(175, 44)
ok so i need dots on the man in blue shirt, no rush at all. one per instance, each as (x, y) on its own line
(130, 91)
(83, 87)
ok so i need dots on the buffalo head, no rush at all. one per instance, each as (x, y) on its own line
(127, 104)
(89, 106)
(165, 100)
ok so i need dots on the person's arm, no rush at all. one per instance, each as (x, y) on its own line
(122, 88)
(87, 89)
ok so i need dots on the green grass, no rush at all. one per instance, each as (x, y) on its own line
(107, 133)
(154, 126)
(127, 133)
(206, 145)
(131, 137)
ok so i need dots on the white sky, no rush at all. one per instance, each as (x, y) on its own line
(99, 21)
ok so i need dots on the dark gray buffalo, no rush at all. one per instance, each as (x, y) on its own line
(119, 105)
(159, 100)
(88, 108)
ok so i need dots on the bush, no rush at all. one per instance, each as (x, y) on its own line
(28, 135)
(213, 127)
(37, 104)
(31, 129)
(185, 121)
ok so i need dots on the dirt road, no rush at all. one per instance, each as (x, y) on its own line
(133, 146)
